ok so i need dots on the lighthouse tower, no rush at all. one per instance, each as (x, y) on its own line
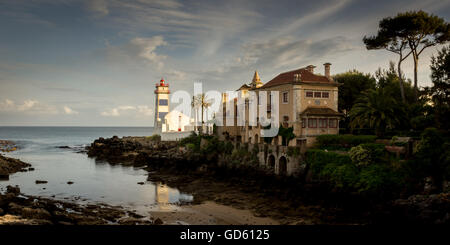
(161, 104)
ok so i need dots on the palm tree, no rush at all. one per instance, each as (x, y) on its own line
(205, 104)
(194, 105)
(201, 101)
(376, 109)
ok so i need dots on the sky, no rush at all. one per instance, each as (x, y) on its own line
(96, 62)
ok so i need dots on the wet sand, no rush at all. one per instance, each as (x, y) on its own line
(211, 213)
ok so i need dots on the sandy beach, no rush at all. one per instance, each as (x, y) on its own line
(211, 213)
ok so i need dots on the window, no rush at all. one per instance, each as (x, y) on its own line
(285, 97)
(317, 95)
(333, 123)
(304, 123)
(325, 95)
(323, 122)
(162, 115)
(309, 94)
(163, 102)
(312, 123)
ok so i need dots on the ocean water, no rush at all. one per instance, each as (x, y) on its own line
(94, 181)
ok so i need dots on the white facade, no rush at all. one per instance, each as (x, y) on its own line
(176, 121)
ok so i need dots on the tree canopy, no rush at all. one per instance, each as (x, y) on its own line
(409, 33)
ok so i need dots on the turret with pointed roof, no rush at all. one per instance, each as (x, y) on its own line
(256, 81)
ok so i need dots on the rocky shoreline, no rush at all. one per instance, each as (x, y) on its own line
(287, 200)
(244, 188)
(222, 194)
(19, 209)
(9, 166)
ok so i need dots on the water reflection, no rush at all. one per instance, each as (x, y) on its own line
(94, 181)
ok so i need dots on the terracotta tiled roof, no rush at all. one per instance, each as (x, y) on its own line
(305, 77)
(320, 111)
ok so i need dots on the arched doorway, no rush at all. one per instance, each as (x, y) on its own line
(271, 161)
(282, 166)
(256, 139)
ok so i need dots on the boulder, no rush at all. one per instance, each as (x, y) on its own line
(38, 213)
(13, 189)
(158, 221)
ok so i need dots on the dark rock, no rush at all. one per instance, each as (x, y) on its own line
(69, 182)
(64, 223)
(13, 189)
(158, 221)
(135, 215)
(35, 213)
(423, 209)
(30, 169)
(15, 208)
(140, 183)
(41, 182)
(63, 147)
(10, 165)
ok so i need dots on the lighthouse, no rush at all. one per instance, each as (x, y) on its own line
(161, 104)
(170, 125)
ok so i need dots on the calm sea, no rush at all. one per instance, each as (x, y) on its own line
(94, 181)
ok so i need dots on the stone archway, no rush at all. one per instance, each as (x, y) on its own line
(282, 166)
(271, 161)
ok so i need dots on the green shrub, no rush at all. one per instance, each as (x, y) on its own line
(343, 141)
(360, 156)
(293, 151)
(155, 137)
(365, 154)
(191, 139)
(286, 134)
(432, 155)
(317, 159)
(376, 179)
(191, 147)
(377, 151)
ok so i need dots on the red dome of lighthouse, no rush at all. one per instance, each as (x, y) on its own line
(162, 83)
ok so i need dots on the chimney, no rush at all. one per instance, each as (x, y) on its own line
(310, 68)
(327, 69)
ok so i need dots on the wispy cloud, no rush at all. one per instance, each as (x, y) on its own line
(138, 49)
(138, 111)
(28, 106)
(97, 7)
(70, 111)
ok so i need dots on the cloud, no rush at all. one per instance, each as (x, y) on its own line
(98, 7)
(28, 106)
(285, 52)
(176, 75)
(296, 24)
(144, 110)
(69, 111)
(277, 55)
(139, 111)
(206, 27)
(138, 50)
